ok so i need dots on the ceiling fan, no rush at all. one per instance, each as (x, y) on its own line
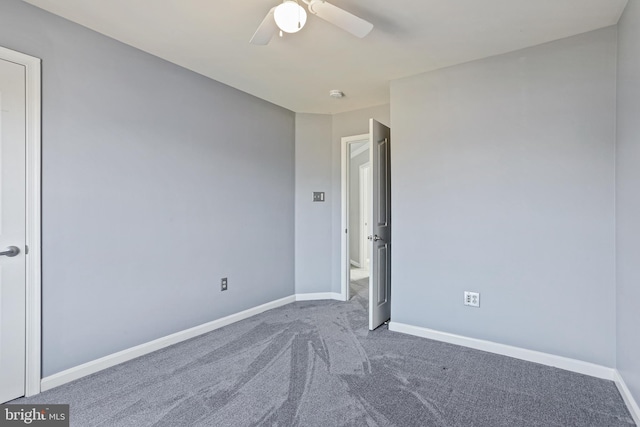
(290, 17)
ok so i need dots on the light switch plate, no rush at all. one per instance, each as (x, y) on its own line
(472, 299)
(318, 196)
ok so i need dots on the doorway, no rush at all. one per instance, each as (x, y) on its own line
(366, 264)
(358, 197)
(20, 268)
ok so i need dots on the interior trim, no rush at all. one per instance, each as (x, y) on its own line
(105, 362)
(108, 361)
(632, 405)
(573, 365)
(561, 362)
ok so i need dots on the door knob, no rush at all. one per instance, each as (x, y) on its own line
(375, 238)
(11, 251)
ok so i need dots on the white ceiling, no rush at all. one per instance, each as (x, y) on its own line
(409, 37)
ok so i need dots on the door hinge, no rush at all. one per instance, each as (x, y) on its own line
(345, 231)
(26, 249)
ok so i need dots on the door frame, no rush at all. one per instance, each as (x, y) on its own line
(365, 207)
(345, 260)
(33, 218)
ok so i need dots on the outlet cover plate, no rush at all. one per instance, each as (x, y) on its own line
(472, 299)
(223, 284)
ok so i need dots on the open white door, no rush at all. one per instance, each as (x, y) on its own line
(12, 231)
(380, 234)
(20, 270)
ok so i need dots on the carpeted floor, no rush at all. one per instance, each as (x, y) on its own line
(359, 292)
(316, 364)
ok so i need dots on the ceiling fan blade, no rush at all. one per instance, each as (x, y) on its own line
(340, 18)
(266, 30)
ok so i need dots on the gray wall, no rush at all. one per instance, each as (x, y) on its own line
(503, 184)
(318, 225)
(346, 124)
(628, 199)
(312, 225)
(156, 183)
(354, 204)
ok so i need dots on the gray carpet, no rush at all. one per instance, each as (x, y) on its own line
(316, 364)
(359, 291)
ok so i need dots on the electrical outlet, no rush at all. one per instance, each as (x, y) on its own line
(223, 284)
(472, 299)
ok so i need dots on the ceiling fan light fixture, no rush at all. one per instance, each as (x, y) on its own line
(290, 17)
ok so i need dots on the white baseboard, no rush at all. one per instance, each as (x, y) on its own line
(632, 405)
(105, 362)
(319, 296)
(561, 362)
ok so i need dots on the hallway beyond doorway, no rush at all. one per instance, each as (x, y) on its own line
(359, 284)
